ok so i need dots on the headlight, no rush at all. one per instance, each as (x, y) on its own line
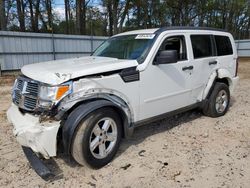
(54, 93)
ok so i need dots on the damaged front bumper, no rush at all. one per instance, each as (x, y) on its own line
(29, 132)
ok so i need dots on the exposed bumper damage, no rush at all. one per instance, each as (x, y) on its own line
(40, 168)
(40, 137)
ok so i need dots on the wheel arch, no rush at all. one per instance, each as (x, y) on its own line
(86, 107)
(220, 75)
(225, 76)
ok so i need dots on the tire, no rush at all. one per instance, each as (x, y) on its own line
(103, 130)
(218, 102)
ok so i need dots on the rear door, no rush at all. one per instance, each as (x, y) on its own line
(204, 60)
(225, 56)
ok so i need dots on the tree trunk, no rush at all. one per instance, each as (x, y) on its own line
(115, 15)
(20, 12)
(37, 8)
(83, 18)
(49, 13)
(32, 21)
(66, 2)
(125, 12)
(110, 14)
(78, 16)
(2, 15)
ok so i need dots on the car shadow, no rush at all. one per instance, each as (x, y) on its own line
(143, 132)
(147, 130)
(232, 101)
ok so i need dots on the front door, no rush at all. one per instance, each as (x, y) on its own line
(167, 87)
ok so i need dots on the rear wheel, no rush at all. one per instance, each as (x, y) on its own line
(218, 102)
(97, 138)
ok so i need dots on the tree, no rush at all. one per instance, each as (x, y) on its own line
(81, 16)
(114, 16)
(116, 13)
(32, 21)
(21, 14)
(49, 12)
(124, 14)
(34, 11)
(67, 15)
(2, 15)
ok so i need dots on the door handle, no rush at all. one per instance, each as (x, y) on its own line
(187, 68)
(212, 62)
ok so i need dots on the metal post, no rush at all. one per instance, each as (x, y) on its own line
(92, 45)
(1, 56)
(53, 45)
(238, 45)
(91, 28)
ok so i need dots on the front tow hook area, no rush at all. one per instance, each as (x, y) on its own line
(37, 164)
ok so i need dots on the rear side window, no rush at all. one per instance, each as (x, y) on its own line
(224, 46)
(202, 46)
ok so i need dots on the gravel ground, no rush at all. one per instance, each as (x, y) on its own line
(188, 150)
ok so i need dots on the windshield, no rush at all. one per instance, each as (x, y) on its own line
(126, 47)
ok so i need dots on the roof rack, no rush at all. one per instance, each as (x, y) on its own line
(187, 28)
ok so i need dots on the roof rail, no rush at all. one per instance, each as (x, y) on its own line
(187, 28)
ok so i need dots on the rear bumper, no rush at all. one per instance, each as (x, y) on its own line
(29, 132)
(235, 81)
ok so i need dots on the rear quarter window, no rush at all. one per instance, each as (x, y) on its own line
(202, 46)
(224, 46)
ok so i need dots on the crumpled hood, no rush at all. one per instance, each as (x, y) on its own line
(59, 71)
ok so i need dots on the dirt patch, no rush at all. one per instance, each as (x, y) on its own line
(244, 67)
(188, 150)
(7, 80)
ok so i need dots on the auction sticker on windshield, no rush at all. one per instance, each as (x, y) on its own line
(145, 36)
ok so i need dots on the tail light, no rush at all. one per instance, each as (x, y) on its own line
(237, 66)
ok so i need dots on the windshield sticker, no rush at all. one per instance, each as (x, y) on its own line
(145, 36)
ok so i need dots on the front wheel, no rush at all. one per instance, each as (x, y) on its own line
(218, 102)
(97, 138)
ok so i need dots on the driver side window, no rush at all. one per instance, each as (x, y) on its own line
(175, 43)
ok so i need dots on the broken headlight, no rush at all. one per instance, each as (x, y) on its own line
(49, 95)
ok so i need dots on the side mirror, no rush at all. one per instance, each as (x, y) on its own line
(166, 57)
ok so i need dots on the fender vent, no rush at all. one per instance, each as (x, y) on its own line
(130, 75)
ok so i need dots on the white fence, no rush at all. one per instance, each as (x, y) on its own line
(18, 49)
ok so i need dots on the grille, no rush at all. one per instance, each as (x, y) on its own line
(17, 98)
(32, 88)
(20, 84)
(29, 103)
(25, 93)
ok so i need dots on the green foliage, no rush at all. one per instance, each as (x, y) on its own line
(231, 15)
(114, 16)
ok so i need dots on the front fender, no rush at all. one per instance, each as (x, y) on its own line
(73, 120)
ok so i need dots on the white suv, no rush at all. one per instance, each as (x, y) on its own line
(88, 104)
